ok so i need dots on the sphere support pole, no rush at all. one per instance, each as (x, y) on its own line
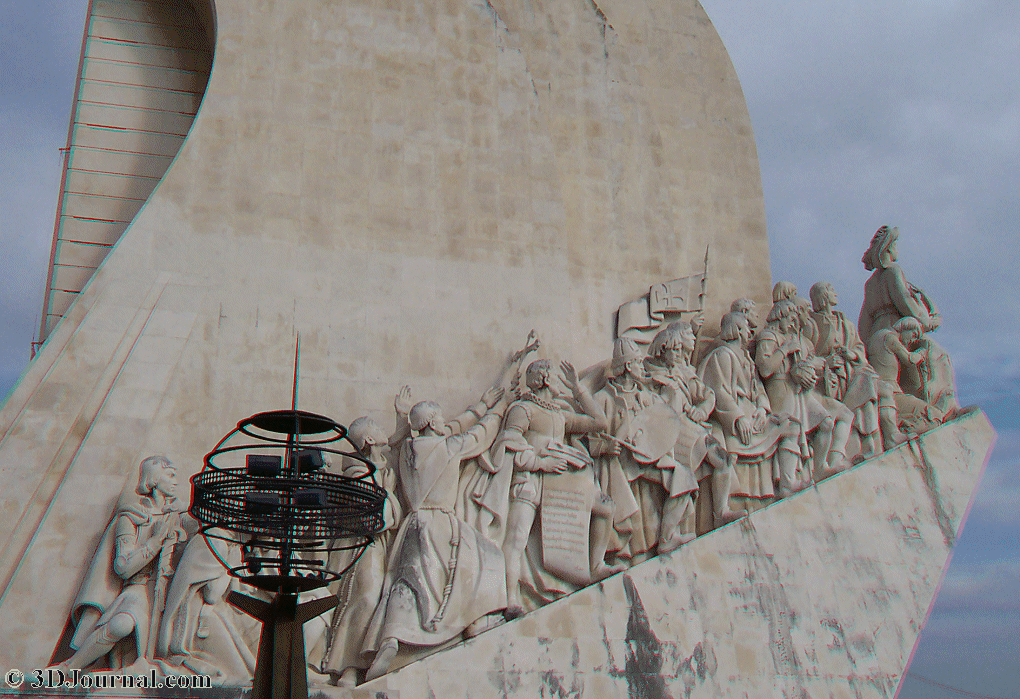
(280, 671)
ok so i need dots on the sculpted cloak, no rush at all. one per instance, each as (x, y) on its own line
(104, 594)
(454, 573)
(738, 394)
(199, 628)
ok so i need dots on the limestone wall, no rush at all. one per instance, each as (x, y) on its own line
(412, 187)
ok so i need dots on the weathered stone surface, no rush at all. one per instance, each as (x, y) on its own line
(822, 594)
(411, 187)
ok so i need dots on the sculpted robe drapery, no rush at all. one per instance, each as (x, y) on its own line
(455, 574)
(738, 394)
(104, 593)
(856, 382)
(888, 296)
(361, 589)
(638, 490)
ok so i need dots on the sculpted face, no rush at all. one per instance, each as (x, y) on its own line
(538, 374)
(789, 323)
(830, 292)
(167, 481)
(671, 356)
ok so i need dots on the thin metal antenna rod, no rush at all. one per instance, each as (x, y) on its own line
(297, 359)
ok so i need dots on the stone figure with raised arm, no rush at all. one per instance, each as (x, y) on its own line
(668, 369)
(361, 587)
(790, 369)
(762, 441)
(890, 354)
(444, 577)
(888, 296)
(484, 497)
(556, 481)
(653, 493)
(124, 590)
(847, 376)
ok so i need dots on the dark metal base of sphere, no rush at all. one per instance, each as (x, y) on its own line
(280, 671)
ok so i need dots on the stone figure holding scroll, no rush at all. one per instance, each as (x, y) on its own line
(652, 492)
(761, 441)
(888, 296)
(444, 576)
(559, 519)
(117, 610)
(669, 372)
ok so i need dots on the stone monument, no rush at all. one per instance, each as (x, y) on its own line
(412, 188)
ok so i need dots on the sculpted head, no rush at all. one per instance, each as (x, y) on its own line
(782, 291)
(156, 473)
(734, 326)
(627, 358)
(909, 329)
(365, 434)
(823, 296)
(537, 376)
(672, 343)
(784, 315)
(427, 413)
(747, 307)
(882, 251)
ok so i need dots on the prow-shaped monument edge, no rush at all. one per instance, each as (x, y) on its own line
(826, 589)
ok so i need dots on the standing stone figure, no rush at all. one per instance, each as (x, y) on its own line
(762, 442)
(444, 575)
(669, 371)
(361, 587)
(888, 296)
(790, 369)
(117, 610)
(565, 552)
(652, 492)
(847, 375)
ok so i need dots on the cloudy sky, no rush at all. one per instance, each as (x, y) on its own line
(901, 112)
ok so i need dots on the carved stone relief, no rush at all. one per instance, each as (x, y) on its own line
(553, 480)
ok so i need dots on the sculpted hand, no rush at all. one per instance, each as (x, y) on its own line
(760, 416)
(697, 414)
(569, 375)
(549, 464)
(805, 375)
(492, 396)
(744, 429)
(402, 401)
(610, 447)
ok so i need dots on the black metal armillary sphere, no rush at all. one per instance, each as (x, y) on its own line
(265, 491)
